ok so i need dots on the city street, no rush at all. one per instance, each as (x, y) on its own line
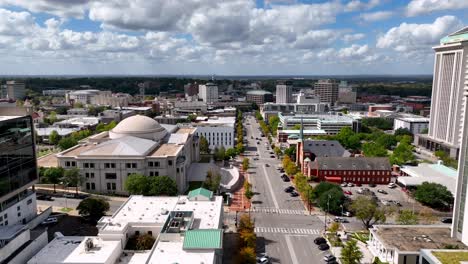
(284, 228)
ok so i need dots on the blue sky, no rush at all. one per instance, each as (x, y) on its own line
(236, 37)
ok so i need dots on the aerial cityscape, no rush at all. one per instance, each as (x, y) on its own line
(233, 132)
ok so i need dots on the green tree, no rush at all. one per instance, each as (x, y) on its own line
(248, 193)
(407, 217)
(240, 147)
(52, 117)
(67, 142)
(372, 149)
(402, 132)
(230, 153)
(380, 123)
(368, 211)
(73, 178)
(291, 152)
(247, 255)
(191, 117)
(219, 153)
(273, 122)
(93, 208)
(291, 168)
(386, 141)
(212, 181)
(138, 184)
(324, 187)
(277, 151)
(331, 201)
(78, 105)
(245, 164)
(433, 195)
(144, 242)
(351, 254)
(402, 154)
(204, 145)
(53, 175)
(54, 137)
(163, 185)
(348, 138)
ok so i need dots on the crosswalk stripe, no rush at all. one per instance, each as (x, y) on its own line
(282, 230)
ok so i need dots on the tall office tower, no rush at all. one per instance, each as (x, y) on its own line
(18, 170)
(208, 93)
(15, 90)
(448, 103)
(191, 89)
(284, 93)
(327, 90)
(448, 115)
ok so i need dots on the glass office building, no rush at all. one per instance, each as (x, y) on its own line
(18, 168)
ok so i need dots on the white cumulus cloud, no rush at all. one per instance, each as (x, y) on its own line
(420, 7)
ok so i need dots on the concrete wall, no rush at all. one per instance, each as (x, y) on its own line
(32, 249)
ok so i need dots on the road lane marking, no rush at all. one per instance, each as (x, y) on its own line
(290, 230)
(291, 250)
(272, 193)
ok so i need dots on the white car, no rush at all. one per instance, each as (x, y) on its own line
(69, 195)
(263, 259)
(350, 184)
(392, 185)
(344, 184)
(50, 221)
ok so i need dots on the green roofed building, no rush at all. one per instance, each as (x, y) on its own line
(203, 239)
(200, 194)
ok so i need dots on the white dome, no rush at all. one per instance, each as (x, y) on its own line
(139, 126)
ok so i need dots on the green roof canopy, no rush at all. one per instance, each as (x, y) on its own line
(203, 239)
(200, 191)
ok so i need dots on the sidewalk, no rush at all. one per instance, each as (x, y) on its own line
(239, 201)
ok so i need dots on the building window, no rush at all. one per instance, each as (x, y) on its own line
(73, 164)
(114, 186)
(93, 186)
(156, 163)
(131, 165)
(177, 170)
(91, 174)
(151, 173)
(111, 176)
(88, 186)
(169, 162)
(150, 164)
(109, 165)
(86, 165)
(19, 214)
(18, 208)
(29, 201)
(87, 174)
(67, 164)
(108, 186)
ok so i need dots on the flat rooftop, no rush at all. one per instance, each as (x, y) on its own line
(155, 210)
(171, 252)
(48, 161)
(414, 238)
(167, 150)
(437, 173)
(186, 130)
(71, 249)
(3, 118)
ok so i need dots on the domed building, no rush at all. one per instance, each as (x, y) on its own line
(139, 126)
(138, 144)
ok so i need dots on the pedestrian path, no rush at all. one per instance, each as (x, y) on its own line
(272, 210)
(287, 230)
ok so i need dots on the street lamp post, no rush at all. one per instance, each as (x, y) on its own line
(326, 212)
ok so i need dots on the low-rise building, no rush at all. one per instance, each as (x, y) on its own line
(186, 229)
(398, 244)
(413, 176)
(116, 115)
(219, 131)
(331, 123)
(138, 144)
(362, 170)
(311, 149)
(83, 122)
(294, 134)
(78, 112)
(259, 97)
(44, 132)
(414, 123)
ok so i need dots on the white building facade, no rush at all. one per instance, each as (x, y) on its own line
(284, 93)
(208, 93)
(218, 131)
(15, 90)
(415, 124)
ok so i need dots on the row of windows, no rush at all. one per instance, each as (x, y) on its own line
(353, 179)
(90, 186)
(70, 164)
(354, 173)
(153, 163)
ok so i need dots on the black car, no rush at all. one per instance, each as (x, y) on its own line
(44, 197)
(372, 185)
(289, 189)
(446, 220)
(285, 178)
(319, 240)
(272, 156)
(293, 194)
(324, 247)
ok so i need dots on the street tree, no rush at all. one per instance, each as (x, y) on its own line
(291, 151)
(277, 151)
(93, 208)
(219, 153)
(291, 168)
(402, 132)
(351, 254)
(204, 145)
(230, 153)
(137, 184)
(331, 201)
(247, 255)
(402, 154)
(248, 193)
(324, 187)
(407, 217)
(372, 149)
(368, 211)
(73, 178)
(212, 181)
(67, 142)
(163, 185)
(54, 137)
(433, 195)
(53, 175)
(245, 164)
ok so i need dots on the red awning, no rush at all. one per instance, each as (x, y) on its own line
(333, 179)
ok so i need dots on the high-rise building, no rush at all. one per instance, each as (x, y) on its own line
(190, 89)
(18, 170)
(208, 92)
(448, 103)
(15, 90)
(448, 122)
(327, 90)
(284, 93)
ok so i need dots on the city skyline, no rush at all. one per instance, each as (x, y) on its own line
(242, 37)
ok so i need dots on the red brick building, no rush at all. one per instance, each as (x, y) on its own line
(350, 169)
(312, 149)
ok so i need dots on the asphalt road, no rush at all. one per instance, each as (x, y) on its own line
(285, 230)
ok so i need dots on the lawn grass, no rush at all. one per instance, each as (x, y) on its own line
(361, 236)
(451, 257)
(66, 209)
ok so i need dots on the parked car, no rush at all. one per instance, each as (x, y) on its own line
(267, 165)
(320, 240)
(360, 191)
(69, 195)
(348, 192)
(348, 214)
(44, 197)
(446, 220)
(344, 184)
(272, 156)
(329, 257)
(372, 185)
(385, 202)
(263, 258)
(293, 194)
(382, 191)
(255, 158)
(350, 184)
(340, 220)
(392, 185)
(289, 189)
(324, 247)
(285, 178)
(50, 221)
